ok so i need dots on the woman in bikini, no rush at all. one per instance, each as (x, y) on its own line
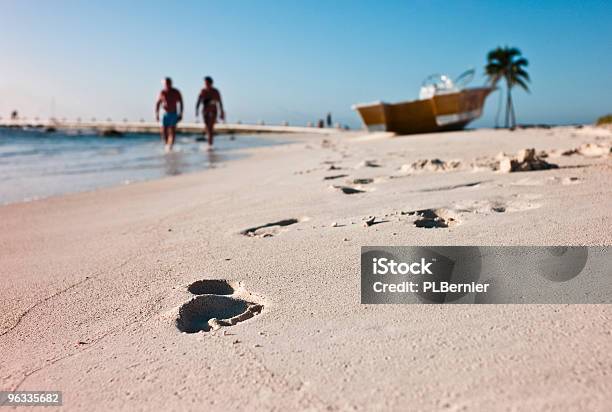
(210, 98)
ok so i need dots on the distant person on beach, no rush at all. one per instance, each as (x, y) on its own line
(328, 119)
(170, 99)
(210, 98)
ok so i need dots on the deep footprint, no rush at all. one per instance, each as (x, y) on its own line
(347, 190)
(211, 287)
(434, 218)
(210, 312)
(269, 229)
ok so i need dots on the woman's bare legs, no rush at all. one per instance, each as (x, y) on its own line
(209, 121)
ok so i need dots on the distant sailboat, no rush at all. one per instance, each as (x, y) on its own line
(442, 105)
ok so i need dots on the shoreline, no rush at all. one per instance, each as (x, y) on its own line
(69, 169)
(95, 281)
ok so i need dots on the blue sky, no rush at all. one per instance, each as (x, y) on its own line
(296, 60)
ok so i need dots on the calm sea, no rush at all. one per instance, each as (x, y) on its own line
(35, 164)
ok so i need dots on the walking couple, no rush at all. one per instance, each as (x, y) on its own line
(171, 101)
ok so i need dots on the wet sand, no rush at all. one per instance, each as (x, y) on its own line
(93, 283)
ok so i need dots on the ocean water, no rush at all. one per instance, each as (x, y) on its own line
(35, 164)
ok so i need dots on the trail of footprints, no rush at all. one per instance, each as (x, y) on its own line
(218, 303)
(442, 217)
(353, 186)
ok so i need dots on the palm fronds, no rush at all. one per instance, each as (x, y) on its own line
(508, 63)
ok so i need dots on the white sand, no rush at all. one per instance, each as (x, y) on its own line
(92, 283)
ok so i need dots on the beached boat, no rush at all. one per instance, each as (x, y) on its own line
(442, 105)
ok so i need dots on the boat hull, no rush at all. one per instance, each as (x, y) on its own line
(449, 111)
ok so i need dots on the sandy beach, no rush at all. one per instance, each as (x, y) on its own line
(93, 282)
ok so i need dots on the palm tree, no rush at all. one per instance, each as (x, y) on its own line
(507, 63)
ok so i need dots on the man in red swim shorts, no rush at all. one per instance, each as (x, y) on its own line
(210, 98)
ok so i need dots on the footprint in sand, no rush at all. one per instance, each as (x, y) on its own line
(445, 217)
(212, 287)
(435, 218)
(452, 187)
(218, 303)
(367, 163)
(363, 181)
(333, 177)
(486, 207)
(348, 190)
(270, 229)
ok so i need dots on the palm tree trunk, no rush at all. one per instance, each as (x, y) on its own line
(513, 119)
(508, 105)
(499, 106)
